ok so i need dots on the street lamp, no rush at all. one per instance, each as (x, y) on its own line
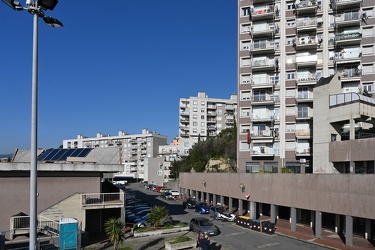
(35, 8)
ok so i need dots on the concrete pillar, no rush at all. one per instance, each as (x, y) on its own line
(337, 223)
(293, 219)
(273, 213)
(318, 224)
(240, 207)
(352, 130)
(208, 197)
(230, 205)
(368, 229)
(222, 199)
(214, 199)
(253, 210)
(352, 167)
(349, 230)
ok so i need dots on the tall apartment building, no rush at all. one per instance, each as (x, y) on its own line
(284, 48)
(134, 149)
(202, 116)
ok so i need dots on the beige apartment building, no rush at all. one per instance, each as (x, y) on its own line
(201, 116)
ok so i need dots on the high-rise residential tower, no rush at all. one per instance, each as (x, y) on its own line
(201, 116)
(284, 48)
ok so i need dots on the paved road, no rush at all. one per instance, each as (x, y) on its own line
(232, 237)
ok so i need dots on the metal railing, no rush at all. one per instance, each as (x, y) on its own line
(99, 199)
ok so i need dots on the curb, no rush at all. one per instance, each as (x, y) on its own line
(307, 241)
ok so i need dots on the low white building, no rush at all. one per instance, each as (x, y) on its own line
(134, 149)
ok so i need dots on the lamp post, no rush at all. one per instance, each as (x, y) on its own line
(35, 8)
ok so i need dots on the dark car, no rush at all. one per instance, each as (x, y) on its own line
(204, 225)
(189, 203)
(202, 208)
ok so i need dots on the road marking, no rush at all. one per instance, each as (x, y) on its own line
(232, 234)
(268, 245)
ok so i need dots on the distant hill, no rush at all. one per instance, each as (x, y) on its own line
(6, 155)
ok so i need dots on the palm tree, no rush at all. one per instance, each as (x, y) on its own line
(113, 227)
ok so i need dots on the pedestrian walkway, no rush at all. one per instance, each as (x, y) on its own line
(329, 238)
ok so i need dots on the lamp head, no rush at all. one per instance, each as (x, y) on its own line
(53, 22)
(13, 4)
(47, 4)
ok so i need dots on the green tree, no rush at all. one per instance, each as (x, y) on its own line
(114, 230)
(157, 215)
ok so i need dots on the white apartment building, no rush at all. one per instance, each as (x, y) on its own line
(134, 149)
(202, 116)
(284, 48)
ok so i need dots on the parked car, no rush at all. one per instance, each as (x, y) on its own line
(202, 224)
(219, 212)
(167, 196)
(174, 192)
(202, 208)
(157, 189)
(189, 203)
(145, 223)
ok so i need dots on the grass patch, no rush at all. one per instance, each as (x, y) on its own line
(181, 238)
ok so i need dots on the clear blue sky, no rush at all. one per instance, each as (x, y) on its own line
(115, 65)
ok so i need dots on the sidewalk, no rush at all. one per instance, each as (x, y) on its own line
(329, 238)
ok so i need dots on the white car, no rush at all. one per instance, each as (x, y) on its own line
(174, 193)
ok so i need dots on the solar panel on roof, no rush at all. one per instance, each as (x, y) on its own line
(58, 155)
(51, 155)
(44, 154)
(84, 152)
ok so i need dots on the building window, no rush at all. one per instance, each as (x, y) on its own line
(195, 110)
(195, 124)
(246, 11)
(252, 167)
(303, 111)
(195, 102)
(202, 117)
(368, 87)
(203, 124)
(290, 75)
(203, 103)
(203, 131)
(195, 117)
(202, 110)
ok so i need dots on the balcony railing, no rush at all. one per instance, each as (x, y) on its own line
(102, 199)
(348, 36)
(20, 225)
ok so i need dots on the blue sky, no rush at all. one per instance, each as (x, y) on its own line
(115, 65)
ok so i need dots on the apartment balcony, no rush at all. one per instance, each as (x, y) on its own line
(211, 120)
(307, 79)
(263, 12)
(229, 121)
(210, 106)
(211, 128)
(261, 84)
(351, 74)
(184, 120)
(307, 43)
(185, 113)
(303, 133)
(345, 4)
(185, 128)
(102, 200)
(302, 152)
(264, 30)
(262, 118)
(260, 151)
(265, 100)
(307, 61)
(304, 115)
(304, 97)
(349, 38)
(264, 46)
(348, 19)
(264, 64)
(304, 7)
(262, 134)
(211, 113)
(309, 24)
(212, 133)
(184, 134)
(347, 57)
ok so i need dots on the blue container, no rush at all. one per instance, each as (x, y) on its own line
(68, 234)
